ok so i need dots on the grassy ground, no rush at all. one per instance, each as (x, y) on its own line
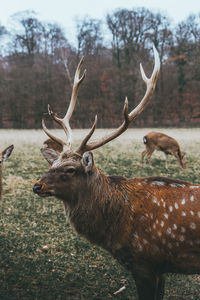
(41, 257)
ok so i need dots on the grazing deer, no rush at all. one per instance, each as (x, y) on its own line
(51, 144)
(150, 225)
(3, 156)
(162, 142)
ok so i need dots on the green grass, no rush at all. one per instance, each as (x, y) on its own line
(41, 257)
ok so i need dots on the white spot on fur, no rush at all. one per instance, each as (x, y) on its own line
(139, 247)
(158, 182)
(154, 200)
(151, 215)
(194, 186)
(181, 238)
(183, 201)
(192, 198)
(174, 226)
(193, 226)
(162, 223)
(168, 230)
(156, 221)
(183, 213)
(173, 235)
(176, 205)
(154, 226)
(136, 235)
(145, 241)
(166, 216)
(159, 233)
(173, 184)
(170, 208)
(192, 213)
(163, 202)
(177, 184)
(183, 229)
(139, 183)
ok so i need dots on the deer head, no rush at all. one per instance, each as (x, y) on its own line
(74, 165)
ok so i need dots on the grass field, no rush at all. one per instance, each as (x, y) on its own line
(41, 257)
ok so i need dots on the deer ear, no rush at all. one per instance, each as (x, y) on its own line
(6, 152)
(50, 155)
(88, 162)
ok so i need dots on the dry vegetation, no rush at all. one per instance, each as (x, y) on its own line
(41, 257)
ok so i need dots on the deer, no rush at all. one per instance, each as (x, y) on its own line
(51, 144)
(3, 156)
(149, 225)
(162, 142)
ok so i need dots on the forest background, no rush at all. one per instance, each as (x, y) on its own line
(37, 65)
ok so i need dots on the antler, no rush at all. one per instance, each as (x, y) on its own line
(64, 122)
(128, 118)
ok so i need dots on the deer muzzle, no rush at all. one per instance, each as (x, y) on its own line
(41, 189)
(37, 188)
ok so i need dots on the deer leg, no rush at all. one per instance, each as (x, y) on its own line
(160, 287)
(146, 287)
(143, 155)
(149, 153)
(166, 160)
(179, 159)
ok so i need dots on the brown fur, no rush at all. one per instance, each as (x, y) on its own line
(150, 225)
(49, 143)
(162, 142)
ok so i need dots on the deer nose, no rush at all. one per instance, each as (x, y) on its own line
(37, 188)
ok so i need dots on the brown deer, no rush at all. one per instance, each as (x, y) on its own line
(51, 144)
(3, 156)
(150, 225)
(162, 142)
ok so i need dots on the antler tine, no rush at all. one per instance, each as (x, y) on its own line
(53, 137)
(150, 83)
(88, 136)
(77, 82)
(64, 122)
(128, 118)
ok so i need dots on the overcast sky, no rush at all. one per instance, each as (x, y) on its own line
(64, 12)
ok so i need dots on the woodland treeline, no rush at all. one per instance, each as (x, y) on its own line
(37, 65)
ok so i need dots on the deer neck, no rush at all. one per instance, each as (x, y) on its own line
(98, 209)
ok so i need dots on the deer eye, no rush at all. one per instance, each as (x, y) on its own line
(70, 170)
(65, 175)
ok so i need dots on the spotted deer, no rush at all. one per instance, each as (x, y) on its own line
(162, 142)
(3, 156)
(150, 225)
